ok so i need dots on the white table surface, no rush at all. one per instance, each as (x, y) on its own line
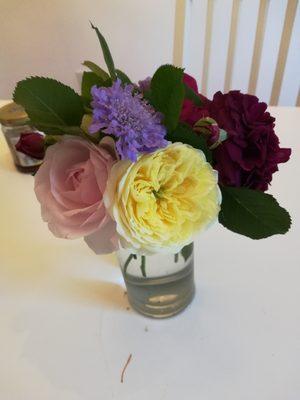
(66, 330)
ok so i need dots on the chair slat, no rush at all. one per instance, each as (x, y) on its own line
(283, 50)
(220, 33)
(258, 44)
(232, 44)
(273, 29)
(179, 32)
(207, 45)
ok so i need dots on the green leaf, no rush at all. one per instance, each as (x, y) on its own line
(191, 95)
(184, 134)
(106, 53)
(167, 94)
(252, 213)
(187, 251)
(124, 78)
(147, 95)
(89, 79)
(97, 70)
(48, 101)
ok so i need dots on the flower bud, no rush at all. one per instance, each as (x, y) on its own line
(31, 144)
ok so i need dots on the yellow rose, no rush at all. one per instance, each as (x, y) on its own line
(160, 202)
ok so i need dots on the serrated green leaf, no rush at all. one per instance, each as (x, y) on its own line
(252, 213)
(106, 53)
(89, 79)
(124, 78)
(97, 70)
(187, 251)
(184, 134)
(191, 95)
(48, 101)
(167, 94)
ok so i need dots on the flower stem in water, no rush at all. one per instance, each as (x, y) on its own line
(143, 266)
(128, 262)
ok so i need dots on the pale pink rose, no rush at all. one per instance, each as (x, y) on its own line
(70, 185)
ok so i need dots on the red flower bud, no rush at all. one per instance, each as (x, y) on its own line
(31, 144)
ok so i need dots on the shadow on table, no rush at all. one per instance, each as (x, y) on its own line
(35, 273)
(100, 293)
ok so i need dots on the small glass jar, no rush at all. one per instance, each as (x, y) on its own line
(160, 285)
(14, 121)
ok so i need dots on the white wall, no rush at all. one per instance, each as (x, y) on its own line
(53, 37)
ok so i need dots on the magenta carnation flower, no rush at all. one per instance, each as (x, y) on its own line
(190, 113)
(120, 112)
(251, 153)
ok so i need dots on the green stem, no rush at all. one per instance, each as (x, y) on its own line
(143, 266)
(128, 262)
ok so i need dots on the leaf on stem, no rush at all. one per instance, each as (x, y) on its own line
(167, 94)
(103, 75)
(252, 213)
(49, 102)
(106, 53)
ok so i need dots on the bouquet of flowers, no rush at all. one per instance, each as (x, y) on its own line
(148, 166)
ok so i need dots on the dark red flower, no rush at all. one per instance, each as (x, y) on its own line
(190, 113)
(251, 153)
(31, 144)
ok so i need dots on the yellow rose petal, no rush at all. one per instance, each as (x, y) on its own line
(160, 202)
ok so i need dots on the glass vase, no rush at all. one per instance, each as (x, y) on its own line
(159, 285)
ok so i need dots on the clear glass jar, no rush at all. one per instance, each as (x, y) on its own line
(14, 121)
(159, 285)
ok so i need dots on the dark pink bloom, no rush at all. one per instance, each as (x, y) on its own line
(251, 153)
(31, 144)
(191, 113)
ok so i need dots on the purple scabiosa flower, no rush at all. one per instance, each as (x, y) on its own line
(120, 112)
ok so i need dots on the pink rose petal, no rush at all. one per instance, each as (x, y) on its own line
(70, 186)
